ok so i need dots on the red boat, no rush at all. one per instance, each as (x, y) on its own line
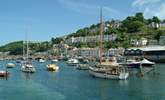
(4, 73)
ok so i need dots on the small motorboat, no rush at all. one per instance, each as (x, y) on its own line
(83, 64)
(41, 60)
(72, 62)
(52, 67)
(82, 67)
(10, 65)
(4, 73)
(54, 60)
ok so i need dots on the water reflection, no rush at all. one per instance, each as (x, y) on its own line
(123, 82)
(26, 76)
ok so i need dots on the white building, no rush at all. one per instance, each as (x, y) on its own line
(115, 51)
(96, 38)
(141, 42)
(89, 52)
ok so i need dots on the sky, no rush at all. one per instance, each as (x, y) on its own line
(44, 19)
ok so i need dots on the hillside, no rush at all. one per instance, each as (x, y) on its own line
(16, 48)
(133, 27)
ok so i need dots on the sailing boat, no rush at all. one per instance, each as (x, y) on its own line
(4, 73)
(27, 66)
(109, 69)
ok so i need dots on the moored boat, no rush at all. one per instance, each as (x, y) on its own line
(41, 60)
(83, 64)
(137, 64)
(27, 65)
(54, 60)
(28, 68)
(52, 67)
(109, 70)
(10, 65)
(4, 73)
(72, 62)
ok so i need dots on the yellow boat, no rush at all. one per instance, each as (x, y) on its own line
(52, 67)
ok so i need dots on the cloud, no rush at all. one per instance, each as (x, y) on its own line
(84, 7)
(150, 8)
(140, 3)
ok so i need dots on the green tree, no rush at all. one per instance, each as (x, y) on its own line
(155, 19)
(139, 16)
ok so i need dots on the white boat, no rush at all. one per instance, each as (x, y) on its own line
(82, 66)
(10, 65)
(54, 60)
(72, 61)
(109, 70)
(136, 64)
(41, 60)
(146, 62)
(52, 67)
(27, 66)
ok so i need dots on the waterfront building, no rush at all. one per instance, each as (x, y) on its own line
(89, 52)
(115, 52)
(154, 53)
(61, 48)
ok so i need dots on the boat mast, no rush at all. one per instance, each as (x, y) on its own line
(101, 35)
(23, 50)
(27, 47)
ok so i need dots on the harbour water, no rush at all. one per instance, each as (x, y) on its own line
(72, 84)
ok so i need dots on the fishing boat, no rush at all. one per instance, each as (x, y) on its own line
(52, 67)
(10, 65)
(27, 66)
(109, 69)
(4, 73)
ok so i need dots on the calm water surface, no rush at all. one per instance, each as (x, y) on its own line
(72, 84)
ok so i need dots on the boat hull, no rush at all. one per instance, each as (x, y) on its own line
(52, 67)
(28, 69)
(121, 76)
(137, 65)
(10, 65)
(82, 67)
(4, 73)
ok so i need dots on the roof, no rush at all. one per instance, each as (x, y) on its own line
(150, 48)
